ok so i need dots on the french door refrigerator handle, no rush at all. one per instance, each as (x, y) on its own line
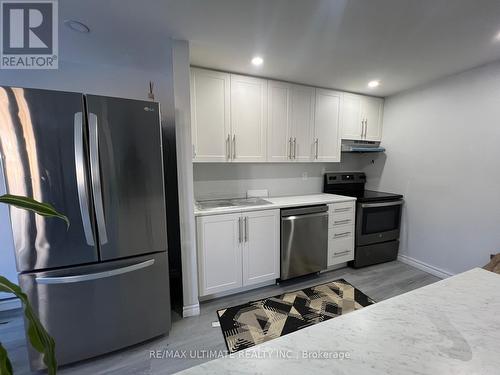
(93, 276)
(81, 179)
(96, 178)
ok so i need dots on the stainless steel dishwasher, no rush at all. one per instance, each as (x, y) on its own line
(304, 240)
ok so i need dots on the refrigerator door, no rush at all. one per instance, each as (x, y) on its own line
(127, 176)
(95, 309)
(43, 150)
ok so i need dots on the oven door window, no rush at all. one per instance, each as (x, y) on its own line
(380, 219)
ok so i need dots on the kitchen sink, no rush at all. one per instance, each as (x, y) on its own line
(237, 202)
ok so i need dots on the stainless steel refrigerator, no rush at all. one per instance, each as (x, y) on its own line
(101, 284)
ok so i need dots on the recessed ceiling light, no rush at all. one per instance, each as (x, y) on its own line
(257, 60)
(373, 84)
(77, 26)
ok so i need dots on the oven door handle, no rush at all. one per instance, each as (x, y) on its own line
(382, 204)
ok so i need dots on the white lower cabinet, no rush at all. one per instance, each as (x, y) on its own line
(219, 254)
(236, 250)
(261, 257)
(341, 232)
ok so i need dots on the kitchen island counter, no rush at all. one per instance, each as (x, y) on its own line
(450, 327)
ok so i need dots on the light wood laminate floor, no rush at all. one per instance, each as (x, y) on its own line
(192, 336)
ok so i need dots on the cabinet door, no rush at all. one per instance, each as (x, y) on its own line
(278, 124)
(327, 126)
(248, 118)
(219, 253)
(210, 121)
(372, 109)
(302, 122)
(351, 117)
(261, 246)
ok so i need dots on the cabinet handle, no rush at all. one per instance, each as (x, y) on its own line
(290, 148)
(317, 146)
(342, 252)
(234, 146)
(194, 152)
(342, 221)
(362, 127)
(228, 146)
(246, 228)
(344, 209)
(239, 229)
(344, 234)
(294, 147)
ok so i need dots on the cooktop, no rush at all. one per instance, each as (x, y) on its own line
(370, 195)
(352, 184)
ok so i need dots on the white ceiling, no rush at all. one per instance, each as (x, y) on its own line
(332, 43)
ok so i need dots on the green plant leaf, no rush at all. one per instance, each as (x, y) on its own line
(37, 335)
(43, 209)
(5, 365)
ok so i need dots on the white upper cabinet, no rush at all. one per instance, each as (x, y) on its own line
(362, 117)
(238, 118)
(372, 112)
(327, 139)
(248, 118)
(210, 116)
(351, 117)
(302, 122)
(290, 122)
(278, 124)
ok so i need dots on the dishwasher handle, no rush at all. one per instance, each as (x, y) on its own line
(304, 210)
(303, 217)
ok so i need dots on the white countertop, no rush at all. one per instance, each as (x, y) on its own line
(278, 202)
(450, 327)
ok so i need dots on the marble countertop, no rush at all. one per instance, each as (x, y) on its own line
(450, 327)
(278, 202)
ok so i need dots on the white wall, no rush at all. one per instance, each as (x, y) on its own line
(181, 74)
(223, 180)
(443, 154)
(111, 80)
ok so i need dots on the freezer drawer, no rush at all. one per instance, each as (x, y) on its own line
(95, 309)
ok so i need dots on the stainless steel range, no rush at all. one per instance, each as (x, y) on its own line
(378, 217)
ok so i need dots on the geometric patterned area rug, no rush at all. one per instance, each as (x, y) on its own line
(259, 321)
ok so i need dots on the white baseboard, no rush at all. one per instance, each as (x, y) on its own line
(237, 290)
(10, 304)
(438, 272)
(191, 310)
